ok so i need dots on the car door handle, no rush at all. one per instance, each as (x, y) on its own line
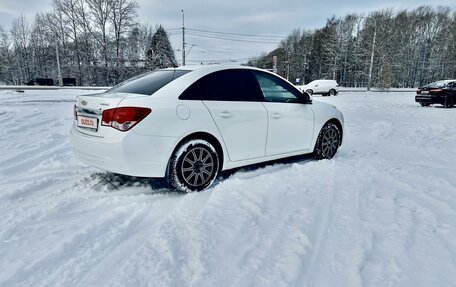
(225, 115)
(276, 116)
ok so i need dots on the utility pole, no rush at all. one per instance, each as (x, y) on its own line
(369, 81)
(183, 38)
(59, 74)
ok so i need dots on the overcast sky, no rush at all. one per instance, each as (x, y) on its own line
(255, 17)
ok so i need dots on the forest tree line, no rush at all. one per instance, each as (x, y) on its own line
(413, 47)
(99, 42)
(102, 42)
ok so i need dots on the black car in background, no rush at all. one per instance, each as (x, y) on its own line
(440, 92)
(40, 82)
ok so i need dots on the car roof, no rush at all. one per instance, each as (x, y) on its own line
(207, 69)
(446, 81)
(213, 68)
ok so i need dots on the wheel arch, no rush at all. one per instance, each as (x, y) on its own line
(207, 137)
(339, 126)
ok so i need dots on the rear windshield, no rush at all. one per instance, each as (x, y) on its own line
(148, 83)
(439, 84)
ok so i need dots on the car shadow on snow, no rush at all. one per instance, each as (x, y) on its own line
(112, 182)
(260, 168)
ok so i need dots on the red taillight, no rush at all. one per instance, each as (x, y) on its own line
(107, 117)
(418, 91)
(435, 91)
(124, 118)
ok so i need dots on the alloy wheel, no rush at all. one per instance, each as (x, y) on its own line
(330, 143)
(197, 166)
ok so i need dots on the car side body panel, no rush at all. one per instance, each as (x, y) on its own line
(243, 127)
(323, 113)
(290, 127)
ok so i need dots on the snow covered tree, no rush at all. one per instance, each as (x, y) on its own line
(122, 19)
(385, 76)
(420, 46)
(20, 33)
(160, 53)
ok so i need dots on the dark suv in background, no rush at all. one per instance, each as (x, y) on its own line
(440, 92)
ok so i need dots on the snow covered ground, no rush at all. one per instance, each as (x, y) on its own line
(381, 213)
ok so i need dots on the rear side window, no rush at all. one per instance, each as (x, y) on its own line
(149, 83)
(227, 85)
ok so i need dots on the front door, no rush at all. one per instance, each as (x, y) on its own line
(290, 123)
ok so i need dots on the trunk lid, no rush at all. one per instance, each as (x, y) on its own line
(89, 110)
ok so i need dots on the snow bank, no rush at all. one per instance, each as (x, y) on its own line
(381, 213)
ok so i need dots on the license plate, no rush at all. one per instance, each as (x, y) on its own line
(88, 123)
(425, 92)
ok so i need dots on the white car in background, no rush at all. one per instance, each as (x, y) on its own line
(321, 87)
(187, 124)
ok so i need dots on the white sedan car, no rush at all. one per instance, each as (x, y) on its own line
(187, 124)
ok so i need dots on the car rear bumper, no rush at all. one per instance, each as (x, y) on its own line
(428, 99)
(124, 153)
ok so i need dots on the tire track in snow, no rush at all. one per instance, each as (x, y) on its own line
(163, 211)
(255, 252)
(336, 226)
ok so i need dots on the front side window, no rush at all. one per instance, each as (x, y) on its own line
(275, 89)
(226, 85)
(149, 83)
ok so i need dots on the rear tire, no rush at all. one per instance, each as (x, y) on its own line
(332, 92)
(310, 92)
(423, 104)
(193, 166)
(328, 142)
(449, 102)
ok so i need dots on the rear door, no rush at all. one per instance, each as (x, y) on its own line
(234, 101)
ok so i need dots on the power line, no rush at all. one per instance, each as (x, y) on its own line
(231, 39)
(238, 34)
(219, 60)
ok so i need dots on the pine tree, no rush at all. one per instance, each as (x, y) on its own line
(160, 54)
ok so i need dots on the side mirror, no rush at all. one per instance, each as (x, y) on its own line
(306, 98)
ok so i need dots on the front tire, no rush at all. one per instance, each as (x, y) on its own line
(328, 142)
(423, 104)
(310, 92)
(193, 166)
(449, 102)
(332, 92)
